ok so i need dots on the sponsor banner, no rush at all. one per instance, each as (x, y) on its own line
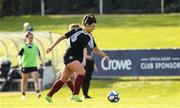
(154, 62)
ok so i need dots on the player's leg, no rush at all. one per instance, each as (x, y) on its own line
(86, 83)
(70, 85)
(35, 76)
(69, 82)
(66, 74)
(58, 84)
(77, 67)
(24, 79)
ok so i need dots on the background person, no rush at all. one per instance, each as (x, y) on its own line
(89, 66)
(28, 59)
(27, 27)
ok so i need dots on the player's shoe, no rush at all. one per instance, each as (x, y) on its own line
(23, 97)
(87, 97)
(76, 98)
(49, 99)
(38, 95)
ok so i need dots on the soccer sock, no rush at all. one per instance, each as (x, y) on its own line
(56, 86)
(78, 83)
(70, 85)
(37, 91)
(24, 93)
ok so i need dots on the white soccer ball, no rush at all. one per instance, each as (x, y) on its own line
(113, 96)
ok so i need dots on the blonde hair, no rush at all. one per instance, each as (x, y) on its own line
(73, 26)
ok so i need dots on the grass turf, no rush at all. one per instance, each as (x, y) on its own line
(113, 31)
(133, 94)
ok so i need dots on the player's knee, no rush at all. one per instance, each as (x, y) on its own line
(24, 80)
(83, 72)
(64, 80)
(36, 80)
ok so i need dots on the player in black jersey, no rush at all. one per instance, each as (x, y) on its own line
(71, 80)
(79, 39)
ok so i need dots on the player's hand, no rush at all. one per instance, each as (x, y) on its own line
(49, 50)
(41, 68)
(42, 65)
(107, 58)
(89, 57)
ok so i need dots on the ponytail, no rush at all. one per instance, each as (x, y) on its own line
(88, 19)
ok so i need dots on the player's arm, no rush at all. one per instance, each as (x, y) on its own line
(40, 57)
(20, 54)
(84, 56)
(19, 60)
(100, 53)
(59, 39)
(95, 67)
(96, 50)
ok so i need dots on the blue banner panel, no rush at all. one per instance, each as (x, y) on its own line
(153, 62)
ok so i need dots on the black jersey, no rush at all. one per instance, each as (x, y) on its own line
(78, 41)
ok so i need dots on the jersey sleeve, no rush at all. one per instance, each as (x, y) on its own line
(70, 33)
(92, 43)
(21, 52)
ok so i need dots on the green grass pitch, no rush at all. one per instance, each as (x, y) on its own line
(112, 32)
(133, 94)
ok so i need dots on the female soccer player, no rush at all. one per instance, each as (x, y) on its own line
(79, 39)
(88, 64)
(28, 59)
(70, 82)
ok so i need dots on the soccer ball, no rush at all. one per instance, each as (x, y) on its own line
(113, 96)
(26, 25)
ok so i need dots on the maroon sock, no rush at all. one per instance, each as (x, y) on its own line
(37, 91)
(78, 83)
(24, 93)
(70, 85)
(56, 86)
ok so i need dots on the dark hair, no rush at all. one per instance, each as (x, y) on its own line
(26, 35)
(88, 19)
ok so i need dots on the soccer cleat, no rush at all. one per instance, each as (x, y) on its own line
(76, 98)
(23, 97)
(49, 99)
(87, 97)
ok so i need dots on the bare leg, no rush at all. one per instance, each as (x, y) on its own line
(35, 76)
(77, 67)
(66, 74)
(24, 79)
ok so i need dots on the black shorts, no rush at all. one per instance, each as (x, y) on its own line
(29, 69)
(69, 59)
